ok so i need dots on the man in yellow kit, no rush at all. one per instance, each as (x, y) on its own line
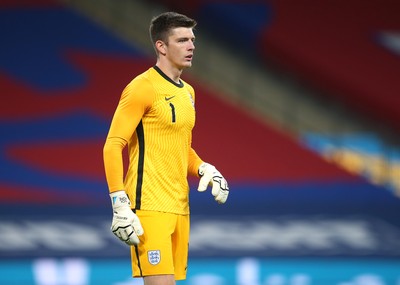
(155, 117)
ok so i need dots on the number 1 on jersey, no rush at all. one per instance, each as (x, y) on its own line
(173, 112)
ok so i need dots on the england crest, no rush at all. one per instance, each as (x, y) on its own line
(191, 99)
(154, 256)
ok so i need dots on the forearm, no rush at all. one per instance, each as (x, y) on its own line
(194, 163)
(113, 163)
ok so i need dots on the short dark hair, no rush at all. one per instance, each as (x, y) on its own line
(162, 24)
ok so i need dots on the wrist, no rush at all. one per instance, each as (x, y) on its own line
(204, 167)
(119, 199)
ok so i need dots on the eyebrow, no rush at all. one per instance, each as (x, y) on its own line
(186, 38)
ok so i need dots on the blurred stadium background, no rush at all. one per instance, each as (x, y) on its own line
(297, 104)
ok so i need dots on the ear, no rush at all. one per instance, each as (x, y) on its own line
(161, 47)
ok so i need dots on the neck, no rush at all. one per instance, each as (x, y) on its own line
(170, 71)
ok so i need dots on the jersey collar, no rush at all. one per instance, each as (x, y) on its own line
(180, 84)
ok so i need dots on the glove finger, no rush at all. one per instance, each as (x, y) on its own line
(127, 235)
(219, 183)
(122, 234)
(137, 227)
(133, 239)
(204, 181)
(219, 197)
(216, 188)
(222, 197)
(116, 230)
(117, 234)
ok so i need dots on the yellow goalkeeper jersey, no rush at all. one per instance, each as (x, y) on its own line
(155, 117)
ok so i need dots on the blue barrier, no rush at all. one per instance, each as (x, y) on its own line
(240, 271)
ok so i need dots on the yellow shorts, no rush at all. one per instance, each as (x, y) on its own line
(163, 247)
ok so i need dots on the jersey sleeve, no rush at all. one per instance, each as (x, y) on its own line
(194, 159)
(135, 100)
(194, 163)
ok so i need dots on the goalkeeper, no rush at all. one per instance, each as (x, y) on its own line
(154, 118)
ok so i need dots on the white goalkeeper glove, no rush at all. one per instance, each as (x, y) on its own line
(211, 176)
(125, 223)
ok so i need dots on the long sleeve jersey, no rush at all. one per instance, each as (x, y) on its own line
(155, 117)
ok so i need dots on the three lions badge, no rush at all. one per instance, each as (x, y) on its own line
(154, 256)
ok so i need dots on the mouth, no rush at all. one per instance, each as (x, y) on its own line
(189, 57)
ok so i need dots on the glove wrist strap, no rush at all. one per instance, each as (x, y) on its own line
(119, 199)
(203, 167)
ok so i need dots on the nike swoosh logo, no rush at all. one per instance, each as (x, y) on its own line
(169, 98)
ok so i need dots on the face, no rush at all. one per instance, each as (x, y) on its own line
(180, 47)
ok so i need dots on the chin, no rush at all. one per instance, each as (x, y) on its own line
(184, 65)
(187, 64)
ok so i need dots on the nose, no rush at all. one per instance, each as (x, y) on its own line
(191, 45)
